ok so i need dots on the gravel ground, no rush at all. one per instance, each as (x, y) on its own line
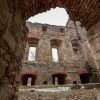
(80, 94)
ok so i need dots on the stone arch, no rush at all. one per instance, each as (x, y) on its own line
(84, 76)
(59, 78)
(76, 9)
(25, 75)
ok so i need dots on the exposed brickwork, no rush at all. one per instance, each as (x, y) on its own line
(85, 11)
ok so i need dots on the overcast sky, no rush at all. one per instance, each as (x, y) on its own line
(57, 16)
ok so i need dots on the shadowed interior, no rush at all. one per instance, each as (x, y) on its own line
(25, 77)
(61, 78)
(85, 78)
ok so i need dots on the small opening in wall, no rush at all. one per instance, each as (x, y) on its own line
(55, 54)
(62, 30)
(59, 79)
(75, 46)
(44, 28)
(45, 82)
(32, 54)
(28, 79)
(74, 82)
(75, 50)
(85, 78)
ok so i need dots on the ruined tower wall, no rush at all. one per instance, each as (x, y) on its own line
(72, 55)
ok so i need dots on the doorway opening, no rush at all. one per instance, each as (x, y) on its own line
(59, 79)
(85, 78)
(28, 79)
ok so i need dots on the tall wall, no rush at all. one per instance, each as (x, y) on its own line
(70, 63)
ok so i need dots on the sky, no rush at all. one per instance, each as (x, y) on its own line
(57, 16)
(54, 55)
(32, 54)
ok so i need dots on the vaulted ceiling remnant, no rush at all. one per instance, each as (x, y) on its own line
(85, 11)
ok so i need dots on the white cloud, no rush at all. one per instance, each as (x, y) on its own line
(54, 55)
(57, 16)
(32, 54)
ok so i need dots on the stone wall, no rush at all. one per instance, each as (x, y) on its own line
(12, 43)
(70, 62)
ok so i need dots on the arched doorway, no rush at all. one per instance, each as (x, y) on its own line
(59, 78)
(85, 76)
(28, 79)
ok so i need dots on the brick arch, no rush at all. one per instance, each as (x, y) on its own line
(55, 41)
(60, 76)
(85, 76)
(85, 11)
(82, 72)
(33, 39)
(60, 73)
(29, 72)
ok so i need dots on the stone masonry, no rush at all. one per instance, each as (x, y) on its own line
(13, 33)
(73, 52)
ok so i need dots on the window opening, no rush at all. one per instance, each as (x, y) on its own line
(62, 30)
(55, 54)
(75, 46)
(32, 54)
(59, 79)
(44, 28)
